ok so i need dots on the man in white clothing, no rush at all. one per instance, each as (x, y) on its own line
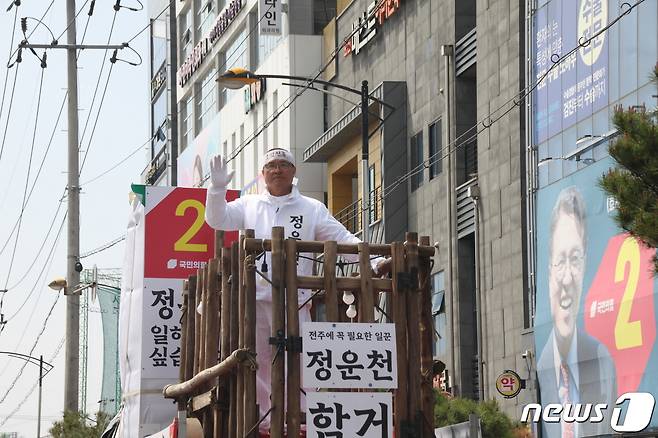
(281, 205)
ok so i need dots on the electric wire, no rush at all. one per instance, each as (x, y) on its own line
(43, 329)
(103, 247)
(148, 25)
(20, 405)
(11, 44)
(32, 31)
(73, 20)
(27, 180)
(11, 103)
(141, 147)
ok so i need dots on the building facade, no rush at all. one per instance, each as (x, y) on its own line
(442, 66)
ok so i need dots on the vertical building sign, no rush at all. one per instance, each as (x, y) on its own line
(269, 12)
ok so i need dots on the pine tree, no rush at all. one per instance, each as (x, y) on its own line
(76, 425)
(634, 182)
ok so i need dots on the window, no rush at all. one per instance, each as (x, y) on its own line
(236, 56)
(416, 162)
(435, 152)
(207, 99)
(158, 45)
(439, 315)
(206, 13)
(187, 116)
(241, 155)
(187, 41)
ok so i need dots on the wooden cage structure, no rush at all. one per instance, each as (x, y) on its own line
(218, 384)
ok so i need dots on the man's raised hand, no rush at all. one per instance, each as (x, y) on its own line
(219, 175)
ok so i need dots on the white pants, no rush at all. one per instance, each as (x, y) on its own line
(264, 357)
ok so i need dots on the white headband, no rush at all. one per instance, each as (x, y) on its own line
(278, 154)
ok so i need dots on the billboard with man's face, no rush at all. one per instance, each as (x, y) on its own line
(595, 325)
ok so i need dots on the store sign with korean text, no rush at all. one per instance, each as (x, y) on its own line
(270, 11)
(365, 27)
(344, 414)
(158, 80)
(254, 93)
(347, 355)
(203, 47)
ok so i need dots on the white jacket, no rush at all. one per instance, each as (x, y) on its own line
(303, 218)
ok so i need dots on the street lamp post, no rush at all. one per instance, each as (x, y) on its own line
(237, 77)
(42, 365)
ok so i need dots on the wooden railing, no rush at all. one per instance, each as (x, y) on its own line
(218, 379)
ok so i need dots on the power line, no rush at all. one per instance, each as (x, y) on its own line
(74, 18)
(11, 44)
(27, 178)
(20, 372)
(20, 405)
(103, 247)
(117, 164)
(11, 103)
(148, 25)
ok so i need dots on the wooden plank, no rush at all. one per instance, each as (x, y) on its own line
(366, 297)
(201, 401)
(330, 288)
(225, 385)
(294, 365)
(426, 341)
(343, 283)
(278, 327)
(399, 312)
(214, 316)
(198, 329)
(343, 248)
(413, 326)
(219, 243)
(250, 411)
(238, 321)
(203, 286)
(190, 328)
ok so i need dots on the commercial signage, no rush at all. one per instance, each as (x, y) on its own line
(344, 414)
(365, 27)
(194, 160)
(178, 240)
(254, 93)
(509, 384)
(578, 86)
(595, 327)
(198, 54)
(158, 80)
(270, 11)
(347, 355)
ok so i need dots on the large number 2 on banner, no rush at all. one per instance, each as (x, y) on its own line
(183, 244)
(628, 334)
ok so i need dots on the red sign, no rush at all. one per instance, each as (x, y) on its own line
(619, 308)
(177, 238)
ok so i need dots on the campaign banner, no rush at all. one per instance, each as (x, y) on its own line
(348, 355)
(349, 414)
(595, 324)
(178, 240)
(577, 87)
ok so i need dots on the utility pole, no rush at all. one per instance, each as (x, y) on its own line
(72, 275)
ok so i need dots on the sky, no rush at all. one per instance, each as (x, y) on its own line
(122, 129)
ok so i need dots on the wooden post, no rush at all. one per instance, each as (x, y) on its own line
(330, 290)
(294, 367)
(219, 243)
(413, 326)
(278, 330)
(183, 339)
(212, 339)
(251, 414)
(400, 408)
(366, 297)
(225, 399)
(198, 328)
(426, 341)
(237, 322)
(191, 328)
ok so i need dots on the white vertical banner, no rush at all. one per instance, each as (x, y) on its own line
(161, 327)
(349, 414)
(269, 13)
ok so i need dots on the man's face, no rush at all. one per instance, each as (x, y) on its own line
(278, 175)
(566, 278)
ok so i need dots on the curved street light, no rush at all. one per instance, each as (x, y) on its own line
(238, 77)
(44, 368)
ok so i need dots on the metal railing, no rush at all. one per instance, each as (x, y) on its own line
(350, 216)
